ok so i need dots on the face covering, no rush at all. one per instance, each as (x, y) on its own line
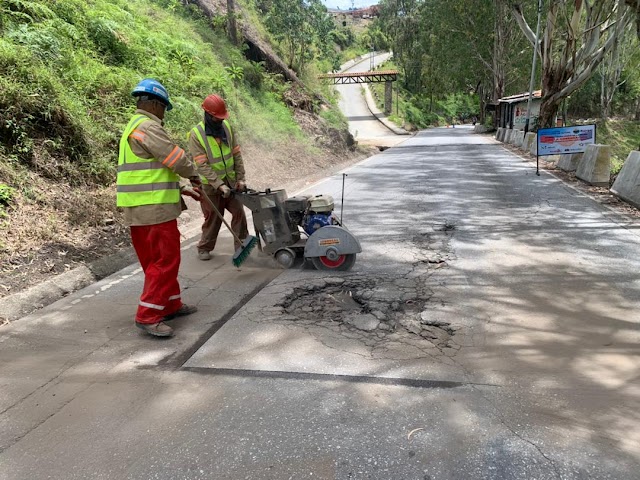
(213, 127)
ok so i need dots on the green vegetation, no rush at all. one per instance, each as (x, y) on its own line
(6, 197)
(66, 71)
(417, 111)
(457, 56)
(623, 136)
(67, 68)
(306, 36)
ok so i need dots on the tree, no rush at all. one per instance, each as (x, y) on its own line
(455, 46)
(484, 28)
(577, 36)
(612, 68)
(301, 26)
(635, 6)
(232, 29)
(237, 74)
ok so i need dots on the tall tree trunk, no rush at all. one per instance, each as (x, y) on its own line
(611, 71)
(548, 113)
(635, 4)
(605, 98)
(232, 29)
(572, 46)
(499, 47)
(549, 107)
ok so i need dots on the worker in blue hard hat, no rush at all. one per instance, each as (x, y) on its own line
(150, 165)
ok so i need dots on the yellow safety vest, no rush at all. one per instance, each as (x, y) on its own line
(143, 181)
(219, 156)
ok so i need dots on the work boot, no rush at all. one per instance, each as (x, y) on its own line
(204, 255)
(181, 312)
(156, 329)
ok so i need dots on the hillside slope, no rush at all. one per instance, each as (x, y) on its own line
(66, 71)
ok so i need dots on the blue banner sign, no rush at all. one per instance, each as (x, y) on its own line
(564, 140)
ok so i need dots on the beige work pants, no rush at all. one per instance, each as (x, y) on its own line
(212, 223)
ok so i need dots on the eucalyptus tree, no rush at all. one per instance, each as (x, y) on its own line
(449, 46)
(302, 27)
(409, 36)
(577, 36)
(490, 51)
(635, 6)
(613, 70)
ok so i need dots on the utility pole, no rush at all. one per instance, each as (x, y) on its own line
(533, 68)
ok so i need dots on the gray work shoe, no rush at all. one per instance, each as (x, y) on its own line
(156, 329)
(181, 312)
(204, 255)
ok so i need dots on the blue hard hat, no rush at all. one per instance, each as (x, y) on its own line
(152, 87)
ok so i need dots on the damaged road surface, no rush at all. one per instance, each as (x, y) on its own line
(373, 323)
(489, 330)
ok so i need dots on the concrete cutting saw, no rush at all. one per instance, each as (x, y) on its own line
(301, 226)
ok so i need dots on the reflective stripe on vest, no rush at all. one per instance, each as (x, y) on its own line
(142, 181)
(148, 187)
(130, 167)
(219, 156)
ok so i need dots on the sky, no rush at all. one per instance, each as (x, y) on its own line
(346, 4)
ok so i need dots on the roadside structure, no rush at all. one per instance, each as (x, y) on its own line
(511, 112)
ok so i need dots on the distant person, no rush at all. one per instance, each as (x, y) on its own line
(149, 169)
(215, 149)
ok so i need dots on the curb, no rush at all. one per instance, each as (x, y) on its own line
(371, 105)
(16, 306)
(20, 304)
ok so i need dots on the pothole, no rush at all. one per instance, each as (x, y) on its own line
(371, 306)
(434, 245)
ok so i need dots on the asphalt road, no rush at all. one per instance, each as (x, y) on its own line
(489, 330)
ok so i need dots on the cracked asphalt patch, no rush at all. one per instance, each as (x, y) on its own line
(378, 311)
(374, 323)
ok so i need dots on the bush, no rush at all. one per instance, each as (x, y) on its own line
(108, 41)
(6, 194)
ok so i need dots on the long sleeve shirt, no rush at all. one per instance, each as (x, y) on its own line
(199, 154)
(151, 141)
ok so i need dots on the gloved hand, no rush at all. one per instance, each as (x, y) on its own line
(241, 186)
(225, 191)
(194, 193)
(195, 181)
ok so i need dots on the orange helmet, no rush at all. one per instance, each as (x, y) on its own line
(214, 105)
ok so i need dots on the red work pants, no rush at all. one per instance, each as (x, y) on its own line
(158, 249)
(212, 223)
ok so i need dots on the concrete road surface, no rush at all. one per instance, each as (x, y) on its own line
(489, 330)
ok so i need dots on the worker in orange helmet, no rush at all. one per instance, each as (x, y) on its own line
(215, 149)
